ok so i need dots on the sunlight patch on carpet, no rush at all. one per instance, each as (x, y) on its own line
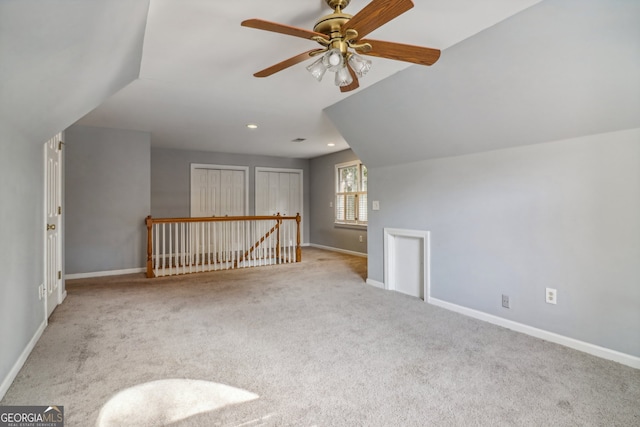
(167, 401)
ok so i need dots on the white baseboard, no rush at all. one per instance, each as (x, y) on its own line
(104, 273)
(375, 283)
(13, 373)
(344, 251)
(602, 352)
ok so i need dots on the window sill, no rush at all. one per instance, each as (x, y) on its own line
(351, 226)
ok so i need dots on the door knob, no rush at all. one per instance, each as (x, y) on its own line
(51, 227)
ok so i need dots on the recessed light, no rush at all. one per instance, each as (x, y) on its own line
(252, 126)
(331, 144)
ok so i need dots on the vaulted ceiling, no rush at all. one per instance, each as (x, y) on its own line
(562, 69)
(196, 88)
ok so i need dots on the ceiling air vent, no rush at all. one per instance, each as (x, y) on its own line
(298, 139)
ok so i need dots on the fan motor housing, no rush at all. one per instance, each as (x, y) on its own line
(331, 23)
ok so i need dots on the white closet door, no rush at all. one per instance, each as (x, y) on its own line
(217, 192)
(226, 192)
(262, 193)
(237, 194)
(274, 193)
(205, 192)
(278, 192)
(295, 192)
(284, 180)
(214, 207)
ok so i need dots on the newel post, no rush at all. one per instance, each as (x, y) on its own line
(149, 222)
(298, 248)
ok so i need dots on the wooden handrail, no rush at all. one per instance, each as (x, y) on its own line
(150, 222)
(219, 218)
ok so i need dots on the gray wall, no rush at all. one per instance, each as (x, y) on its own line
(51, 75)
(21, 253)
(170, 179)
(108, 186)
(323, 192)
(564, 215)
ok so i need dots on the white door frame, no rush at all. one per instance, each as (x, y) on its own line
(298, 171)
(244, 169)
(390, 262)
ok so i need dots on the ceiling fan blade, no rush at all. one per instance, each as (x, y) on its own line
(376, 14)
(402, 52)
(286, 63)
(354, 85)
(281, 28)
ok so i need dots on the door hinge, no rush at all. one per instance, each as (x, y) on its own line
(60, 144)
(59, 274)
(59, 210)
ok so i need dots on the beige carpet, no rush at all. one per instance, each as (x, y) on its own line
(306, 344)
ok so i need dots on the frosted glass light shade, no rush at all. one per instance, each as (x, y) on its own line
(317, 69)
(343, 77)
(360, 65)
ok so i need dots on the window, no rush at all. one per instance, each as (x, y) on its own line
(351, 193)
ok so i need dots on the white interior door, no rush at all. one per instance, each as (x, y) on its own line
(278, 191)
(53, 213)
(218, 191)
(232, 184)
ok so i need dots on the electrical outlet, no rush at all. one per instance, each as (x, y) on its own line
(41, 291)
(505, 301)
(360, 238)
(330, 204)
(551, 295)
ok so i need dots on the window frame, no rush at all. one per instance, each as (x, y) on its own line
(358, 196)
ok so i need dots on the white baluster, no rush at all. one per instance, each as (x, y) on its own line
(216, 236)
(180, 228)
(157, 248)
(208, 246)
(288, 242)
(163, 249)
(232, 242)
(201, 245)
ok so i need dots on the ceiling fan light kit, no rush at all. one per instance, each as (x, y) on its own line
(343, 77)
(333, 61)
(359, 65)
(341, 37)
(317, 69)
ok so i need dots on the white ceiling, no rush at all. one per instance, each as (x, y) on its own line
(196, 88)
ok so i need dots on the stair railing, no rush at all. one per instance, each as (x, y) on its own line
(192, 245)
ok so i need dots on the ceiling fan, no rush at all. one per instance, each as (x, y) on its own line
(341, 37)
